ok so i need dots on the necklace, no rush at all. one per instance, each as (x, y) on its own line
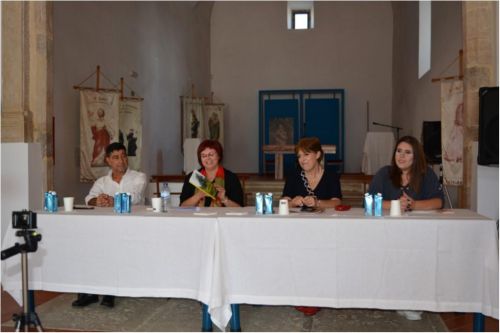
(315, 177)
(311, 181)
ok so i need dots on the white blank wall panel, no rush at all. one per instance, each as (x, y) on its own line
(22, 175)
(487, 191)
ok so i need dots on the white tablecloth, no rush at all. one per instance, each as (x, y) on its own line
(437, 261)
(143, 254)
(419, 262)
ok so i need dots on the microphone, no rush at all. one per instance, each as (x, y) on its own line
(384, 125)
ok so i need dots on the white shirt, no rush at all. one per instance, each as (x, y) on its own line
(133, 182)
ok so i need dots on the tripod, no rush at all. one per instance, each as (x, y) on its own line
(24, 220)
(27, 317)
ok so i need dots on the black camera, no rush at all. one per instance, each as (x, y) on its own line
(24, 219)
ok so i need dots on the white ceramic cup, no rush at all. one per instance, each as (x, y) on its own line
(395, 208)
(283, 207)
(68, 204)
(156, 203)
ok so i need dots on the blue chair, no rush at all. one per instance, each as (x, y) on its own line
(234, 322)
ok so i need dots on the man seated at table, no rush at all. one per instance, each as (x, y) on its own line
(119, 179)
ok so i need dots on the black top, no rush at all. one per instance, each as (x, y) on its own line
(231, 183)
(327, 188)
(430, 187)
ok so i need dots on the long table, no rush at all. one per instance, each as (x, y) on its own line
(435, 261)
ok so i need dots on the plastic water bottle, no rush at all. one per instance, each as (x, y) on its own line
(165, 197)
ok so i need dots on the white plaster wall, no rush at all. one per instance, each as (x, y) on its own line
(417, 100)
(350, 47)
(167, 43)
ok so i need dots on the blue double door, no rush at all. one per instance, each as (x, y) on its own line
(288, 115)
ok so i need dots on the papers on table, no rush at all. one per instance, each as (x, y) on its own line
(205, 213)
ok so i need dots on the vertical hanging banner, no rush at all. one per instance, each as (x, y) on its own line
(192, 118)
(452, 131)
(98, 128)
(214, 122)
(130, 134)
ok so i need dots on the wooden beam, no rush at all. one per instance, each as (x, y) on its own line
(98, 74)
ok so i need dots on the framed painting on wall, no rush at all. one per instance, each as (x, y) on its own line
(281, 131)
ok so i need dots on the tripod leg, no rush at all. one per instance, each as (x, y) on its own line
(38, 323)
(21, 322)
(35, 320)
(17, 319)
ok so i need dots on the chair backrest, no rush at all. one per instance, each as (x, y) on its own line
(175, 183)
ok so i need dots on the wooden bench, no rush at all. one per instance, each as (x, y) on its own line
(353, 185)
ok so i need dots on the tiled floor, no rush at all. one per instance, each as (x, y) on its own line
(456, 322)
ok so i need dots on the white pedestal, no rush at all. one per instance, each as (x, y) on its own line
(190, 155)
(484, 196)
(22, 179)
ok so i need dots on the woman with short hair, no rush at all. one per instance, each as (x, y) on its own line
(227, 184)
(311, 185)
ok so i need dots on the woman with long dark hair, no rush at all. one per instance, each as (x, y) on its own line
(408, 179)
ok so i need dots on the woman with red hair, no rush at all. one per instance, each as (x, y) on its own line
(227, 184)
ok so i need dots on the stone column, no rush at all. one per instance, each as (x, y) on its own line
(16, 120)
(479, 71)
(27, 82)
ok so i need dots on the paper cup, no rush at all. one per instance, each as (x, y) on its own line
(395, 208)
(68, 204)
(156, 203)
(283, 208)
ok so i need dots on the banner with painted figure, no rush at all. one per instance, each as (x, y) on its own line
(452, 131)
(130, 133)
(98, 128)
(214, 122)
(192, 117)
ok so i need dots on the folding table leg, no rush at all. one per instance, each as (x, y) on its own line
(206, 320)
(235, 318)
(478, 322)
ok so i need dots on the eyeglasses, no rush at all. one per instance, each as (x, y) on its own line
(211, 155)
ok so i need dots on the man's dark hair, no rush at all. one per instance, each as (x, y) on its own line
(114, 147)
